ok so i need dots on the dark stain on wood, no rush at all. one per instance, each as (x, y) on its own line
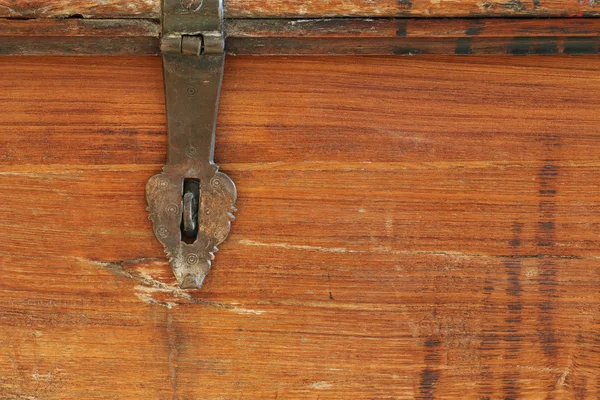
(477, 26)
(514, 290)
(431, 374)
(520, 46)
(489, 341)
(401, 29)
(329, 284)
(580, 383)
(580, 46)
(548, 175)
(547, 47)
(79, 46)
(463, 46)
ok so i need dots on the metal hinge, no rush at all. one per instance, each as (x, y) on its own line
(190, 202)
(193, 45)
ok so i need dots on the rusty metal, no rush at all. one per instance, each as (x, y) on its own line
(190, 202)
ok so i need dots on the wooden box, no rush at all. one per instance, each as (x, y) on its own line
(418, 205)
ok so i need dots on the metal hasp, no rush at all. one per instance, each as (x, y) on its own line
(190, 202)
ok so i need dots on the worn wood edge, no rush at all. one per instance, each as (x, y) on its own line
(306, 9)
(312, 37)
(80, 27)
(78, 46)
(413, 36)
(409, 9)
(79, 37)
(317, 28)
(80, 9)
(416, 46)
(398, 27)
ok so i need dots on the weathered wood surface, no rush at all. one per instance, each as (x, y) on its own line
(410, 27)
(407, 229)
(307, 9)
(410, 46)
(310, 37)
(79, 37)
(80, 9)
(79, 27)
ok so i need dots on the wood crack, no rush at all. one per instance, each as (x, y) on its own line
(149, 285)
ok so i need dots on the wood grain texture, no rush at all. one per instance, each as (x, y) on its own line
(80, 9)
(79, 37)
(389, 36)
(408, 228)
(79, 27)
(306, 9)
(408, 27)
(408, 8)
(400, 46)
(313, 37)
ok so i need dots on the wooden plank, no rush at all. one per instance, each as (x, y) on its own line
(411, 27)
(115, 28)
(310, 37)
(413, 36)
(306, 9)
(79, 46)
(407, 228)
(414, 46)
(79, 37)
(407, 8)
(80, 9)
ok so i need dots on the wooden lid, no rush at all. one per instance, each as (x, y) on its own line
(310, 9)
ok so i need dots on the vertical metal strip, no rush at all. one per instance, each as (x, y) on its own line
(193, 57)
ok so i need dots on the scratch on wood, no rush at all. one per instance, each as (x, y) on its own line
(321, 385)
(563, 377)
(298, 246)
(385, 250)
(146, 298)
(11, 11)
(245, 310)
(150, 285)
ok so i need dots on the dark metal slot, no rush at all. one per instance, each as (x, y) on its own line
(191, 204)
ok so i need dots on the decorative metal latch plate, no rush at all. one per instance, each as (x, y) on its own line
(190, 202)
